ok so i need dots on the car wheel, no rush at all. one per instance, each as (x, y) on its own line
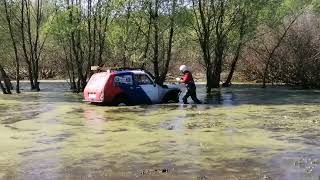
(176, 100)
(121, 101)
(171, 98)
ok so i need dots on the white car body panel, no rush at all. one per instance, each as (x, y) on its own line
(152, 92)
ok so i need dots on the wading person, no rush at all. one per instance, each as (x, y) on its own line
(187, 79)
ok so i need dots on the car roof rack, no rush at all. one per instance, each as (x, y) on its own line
(98, 68)
(126, 69)
(95, 68)
(133, 69)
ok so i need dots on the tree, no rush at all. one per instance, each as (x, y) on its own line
(165, 55)
(80, 30)
(31, 21)
(214, 23)
(287, 8)
(9, 16)
(271, 52)
(143, 35)
(245, 29)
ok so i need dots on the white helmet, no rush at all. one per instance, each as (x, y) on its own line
(183, 68)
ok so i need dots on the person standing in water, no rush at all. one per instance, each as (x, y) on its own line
(187, 79)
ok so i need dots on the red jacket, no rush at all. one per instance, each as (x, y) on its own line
(187, 78)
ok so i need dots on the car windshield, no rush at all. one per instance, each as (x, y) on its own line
(142, 79)
(151, 75)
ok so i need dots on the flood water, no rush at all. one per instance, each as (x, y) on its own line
(244, 132)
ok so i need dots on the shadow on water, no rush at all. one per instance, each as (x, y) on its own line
(254, 94)
(220, 98)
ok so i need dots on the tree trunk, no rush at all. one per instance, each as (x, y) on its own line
(213, 78)
(265, 73)
(77, 50)
(217, 71)
(242, 32)
(220, 46)
(3, 89)
(14, 44)
(17, 77)
(37, 48)
(216, 79)
(6, 80)
(73, 85)
(25, 53)
(30, 76)
(230, 75)
(146, 49)
(103, 22)
(155, 16)
(209, 84)
(170, 44)
(217, 63)
(31, 52)
(36, 82)
(204, 23)
(93, 61)
(90, 39)
(126, 57)
(209, 76)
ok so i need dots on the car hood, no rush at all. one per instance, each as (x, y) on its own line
(173, 86)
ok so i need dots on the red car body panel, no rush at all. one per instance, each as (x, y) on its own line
(100, 88)
(111, 91)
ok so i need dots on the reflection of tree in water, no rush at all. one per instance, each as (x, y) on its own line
(220, 98)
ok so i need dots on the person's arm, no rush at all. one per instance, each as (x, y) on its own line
(186, 78)
(182, 79)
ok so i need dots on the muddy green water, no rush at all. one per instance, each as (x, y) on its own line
(244, 132)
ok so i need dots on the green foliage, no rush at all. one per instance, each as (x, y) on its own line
(127, 35)
(316, 5)
(274, 12)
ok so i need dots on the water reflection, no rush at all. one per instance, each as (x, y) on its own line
(218, 97)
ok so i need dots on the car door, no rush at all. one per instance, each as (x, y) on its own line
(147, 86)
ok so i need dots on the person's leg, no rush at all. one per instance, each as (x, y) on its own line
(193, 94)
(186, 96)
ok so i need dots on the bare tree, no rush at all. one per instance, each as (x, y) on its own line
(212, 30)
(170, 42)
(276, 46)
(161, 55)
(9, 15)
(240, 44)
(32, 44)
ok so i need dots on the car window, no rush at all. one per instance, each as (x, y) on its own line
(123, 79)
(142, 79)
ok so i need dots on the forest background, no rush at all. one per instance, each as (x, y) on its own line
(264, 41)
